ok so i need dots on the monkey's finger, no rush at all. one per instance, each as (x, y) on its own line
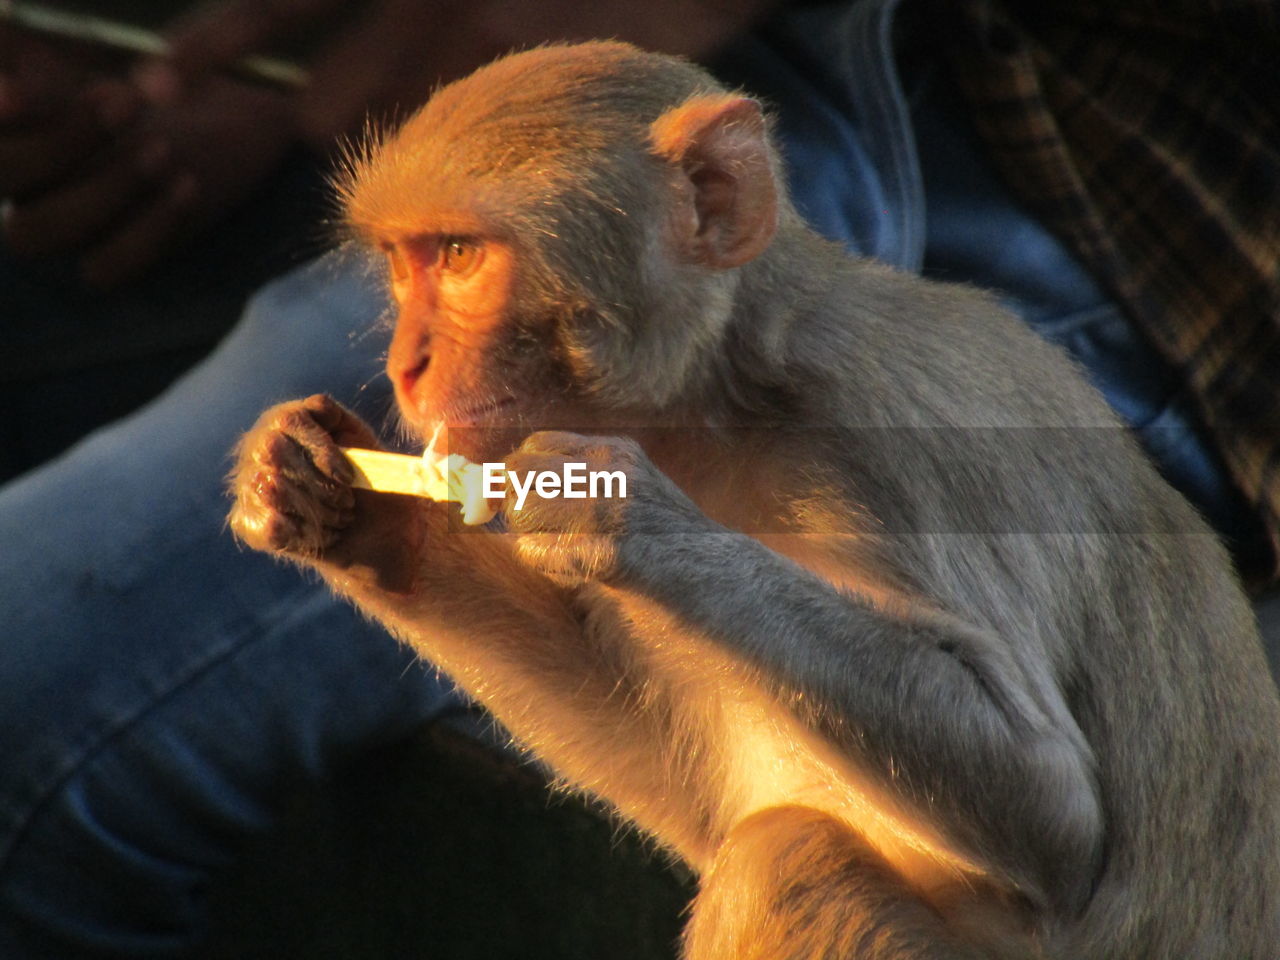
(144, 238)
(288, 436)
(261, 527)
(297, 454)
(282, 503)
(315, 440)
(346, 429)
(73, 214)
(273, 517)
(314, 508)
(556, 441)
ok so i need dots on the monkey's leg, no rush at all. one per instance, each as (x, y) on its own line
(792, 883)
(876, 682)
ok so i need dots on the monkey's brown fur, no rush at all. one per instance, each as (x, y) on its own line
(901, 643)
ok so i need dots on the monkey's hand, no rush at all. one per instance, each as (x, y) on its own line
(293, 497)
(586, 528)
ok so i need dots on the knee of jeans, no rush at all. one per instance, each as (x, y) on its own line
(82, 881)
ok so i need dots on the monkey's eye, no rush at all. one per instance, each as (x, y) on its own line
(461, 255)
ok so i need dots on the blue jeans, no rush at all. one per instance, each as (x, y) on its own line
(157, 684)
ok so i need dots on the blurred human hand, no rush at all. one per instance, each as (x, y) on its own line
(92, 171)
(116, 169)
(390, 54)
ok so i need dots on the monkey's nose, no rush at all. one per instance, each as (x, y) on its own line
(410, 374)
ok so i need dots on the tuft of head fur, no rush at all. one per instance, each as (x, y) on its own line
(528, 130)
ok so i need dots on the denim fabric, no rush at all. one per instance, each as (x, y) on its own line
(157, 684)
(76, 359)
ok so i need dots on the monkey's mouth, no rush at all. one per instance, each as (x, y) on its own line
(479, 432)
(479, 415)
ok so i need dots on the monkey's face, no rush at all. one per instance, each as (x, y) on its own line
(563, 230)
(503, 317)
(464, 355)
(447, 290)
(502, 258)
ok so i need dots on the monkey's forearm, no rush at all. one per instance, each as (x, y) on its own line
(511, 637)
(561, 678)
(932, 705)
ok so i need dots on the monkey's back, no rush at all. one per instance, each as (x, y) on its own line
(1022, 505)
(1191, 780)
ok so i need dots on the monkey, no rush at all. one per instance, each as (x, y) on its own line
(897, 638)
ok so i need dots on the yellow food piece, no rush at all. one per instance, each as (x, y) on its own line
(453, 478)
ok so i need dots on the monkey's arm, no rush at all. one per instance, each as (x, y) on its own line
(559, 676)
(559, 673)
(938, 710)
(936, 706)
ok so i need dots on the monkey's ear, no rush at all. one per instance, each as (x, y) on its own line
(732, 209)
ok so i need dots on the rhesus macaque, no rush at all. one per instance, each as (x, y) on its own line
(898, 641)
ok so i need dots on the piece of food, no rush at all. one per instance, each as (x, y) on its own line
(436, 477)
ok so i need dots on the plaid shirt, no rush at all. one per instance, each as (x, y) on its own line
(1146, 133)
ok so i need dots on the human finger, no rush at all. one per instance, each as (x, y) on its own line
(40, 148)
(216, 35)
(72, 215)
(144, 238)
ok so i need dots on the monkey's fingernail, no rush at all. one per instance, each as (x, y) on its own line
(158, 82)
